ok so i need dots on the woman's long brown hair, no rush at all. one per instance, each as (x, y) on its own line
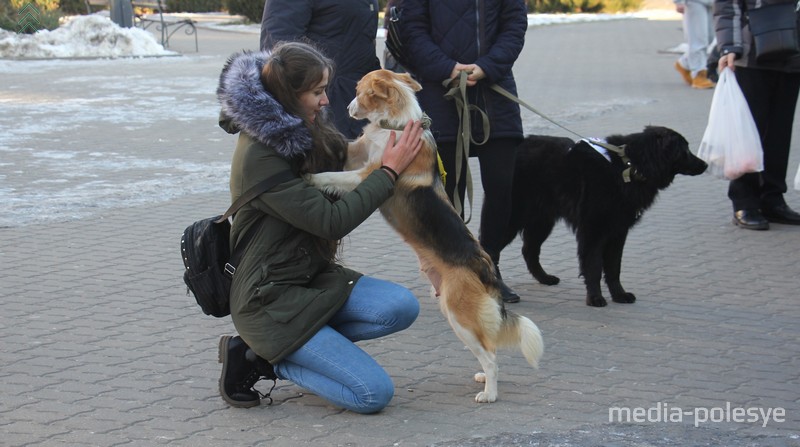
(293, 69)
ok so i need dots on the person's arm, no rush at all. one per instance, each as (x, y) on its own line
(284, 20)
(513, 23)
(428, 61)
(728, 26)
(305, 207)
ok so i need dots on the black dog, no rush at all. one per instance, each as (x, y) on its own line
(555, 178)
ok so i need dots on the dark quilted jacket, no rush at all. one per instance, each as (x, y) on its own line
(345, 30)
(490, 33)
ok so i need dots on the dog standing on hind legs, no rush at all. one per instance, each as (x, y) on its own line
(586, 186)
(462, 274)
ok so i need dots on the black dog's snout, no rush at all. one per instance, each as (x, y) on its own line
(693, 166)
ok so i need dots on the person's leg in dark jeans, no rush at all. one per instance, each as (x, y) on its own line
(496, 159)
(777, 141)
(772, 98)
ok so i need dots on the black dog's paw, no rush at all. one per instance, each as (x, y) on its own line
(625, 298)
(548, 280)
(596, 301)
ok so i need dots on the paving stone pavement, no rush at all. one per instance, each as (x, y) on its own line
(105, 162)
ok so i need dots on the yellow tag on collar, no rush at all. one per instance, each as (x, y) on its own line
(442, 172)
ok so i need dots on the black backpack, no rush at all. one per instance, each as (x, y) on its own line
(209, 263)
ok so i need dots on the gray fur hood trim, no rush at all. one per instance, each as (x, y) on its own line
(250, 108)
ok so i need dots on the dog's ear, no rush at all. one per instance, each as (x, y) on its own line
(379, 89)
(667, 138)
(405, 77)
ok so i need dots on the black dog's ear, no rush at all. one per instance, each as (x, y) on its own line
(666, 136)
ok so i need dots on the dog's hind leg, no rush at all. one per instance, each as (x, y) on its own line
(533, 236)
(612, 266)
(487, 359)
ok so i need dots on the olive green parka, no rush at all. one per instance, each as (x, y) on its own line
(283, 290)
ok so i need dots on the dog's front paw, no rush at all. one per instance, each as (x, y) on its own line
(596, 301)
(625, 298)
(480, 377)
(548, 280)
(485, 398)
(327, 183)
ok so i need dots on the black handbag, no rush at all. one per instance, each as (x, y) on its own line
(209, 263)
(774, 30)
(393, 43)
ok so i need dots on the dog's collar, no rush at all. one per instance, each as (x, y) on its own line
(426, 123)
(630, 172)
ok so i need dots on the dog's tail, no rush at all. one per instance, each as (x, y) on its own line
(517, 330)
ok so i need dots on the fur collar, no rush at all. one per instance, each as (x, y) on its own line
(253, 110)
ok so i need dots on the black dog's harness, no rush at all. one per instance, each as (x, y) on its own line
(630, 172)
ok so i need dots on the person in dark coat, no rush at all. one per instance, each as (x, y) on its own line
(771, 89)
(345, 30)
(292, 304)
(485, 38)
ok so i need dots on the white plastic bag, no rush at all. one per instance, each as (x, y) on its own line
(731, 145)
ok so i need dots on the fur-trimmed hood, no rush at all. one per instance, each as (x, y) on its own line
(248, 107)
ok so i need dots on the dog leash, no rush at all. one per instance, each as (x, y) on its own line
(627, 174)
(458, 93)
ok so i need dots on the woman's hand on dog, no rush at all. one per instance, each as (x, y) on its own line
(399, 153)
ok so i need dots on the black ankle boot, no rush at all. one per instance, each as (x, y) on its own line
(238, 374)
(508, 295)
(264, 368)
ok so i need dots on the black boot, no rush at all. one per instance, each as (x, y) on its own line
(238, 374)
(264, 368)
(508, 295)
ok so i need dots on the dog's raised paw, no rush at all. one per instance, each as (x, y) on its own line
(480, 377)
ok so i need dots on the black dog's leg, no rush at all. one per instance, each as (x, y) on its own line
(533, 236)
(612, 265)
(590, 256)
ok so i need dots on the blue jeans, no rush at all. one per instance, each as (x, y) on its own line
(331, 366)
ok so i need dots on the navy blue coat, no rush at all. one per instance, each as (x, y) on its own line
(489, 33)
(344, 30)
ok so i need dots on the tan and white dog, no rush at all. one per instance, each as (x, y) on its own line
(462, 274)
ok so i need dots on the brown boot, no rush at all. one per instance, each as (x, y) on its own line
(701, 81)
(685, 74)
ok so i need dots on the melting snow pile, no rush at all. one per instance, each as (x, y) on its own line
(83, 36)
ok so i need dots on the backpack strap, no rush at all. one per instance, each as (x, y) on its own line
(255, 191)
(250, 194)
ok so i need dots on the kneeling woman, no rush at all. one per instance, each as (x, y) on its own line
(291, 303)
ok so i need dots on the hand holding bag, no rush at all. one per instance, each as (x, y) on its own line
(774, 30)
(731, 145)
